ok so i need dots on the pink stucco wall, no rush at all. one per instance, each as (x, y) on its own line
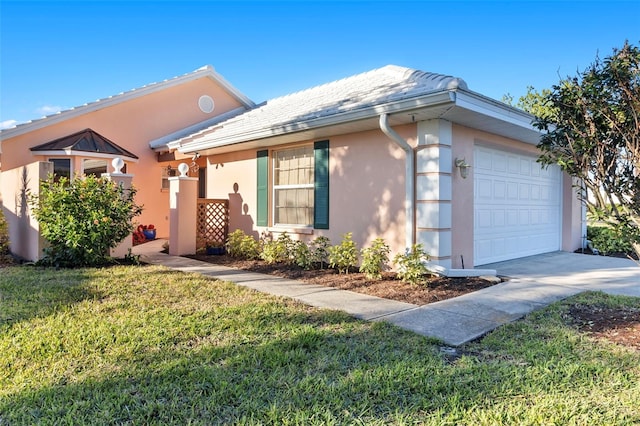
(132, 124)
(367, 188)
(24, 232)
(233, 176)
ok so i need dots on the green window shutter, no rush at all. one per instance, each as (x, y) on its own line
(263, 188)
(321, 185)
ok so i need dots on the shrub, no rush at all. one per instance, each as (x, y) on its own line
(345, 255)
(319, 249)
(374, 259)
(608, 239)
(279, 250)
(411, 266)
(242, 245)
(82, 219)
(302, 255)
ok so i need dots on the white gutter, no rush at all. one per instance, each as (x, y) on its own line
(409, 178)
(409, 205)
(204, 142)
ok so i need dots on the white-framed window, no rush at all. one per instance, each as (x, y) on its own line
(167, 172)
(293, 186)
(61, 168)
(94, 167)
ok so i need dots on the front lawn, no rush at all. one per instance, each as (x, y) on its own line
(146, 345)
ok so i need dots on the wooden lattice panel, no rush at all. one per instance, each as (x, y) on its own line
(212, 221)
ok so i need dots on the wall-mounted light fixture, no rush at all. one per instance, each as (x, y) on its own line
(463, 166)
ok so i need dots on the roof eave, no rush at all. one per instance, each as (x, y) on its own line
(165, 143)
(513, 122)
(431, 99)
(71, 152)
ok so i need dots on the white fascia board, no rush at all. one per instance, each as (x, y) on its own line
(433, 99)
(166, 142)
(206, 71)
(490, 107)
(71, 153)
(241, 97)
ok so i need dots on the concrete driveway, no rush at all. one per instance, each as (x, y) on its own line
(534, 282)
(583, 272)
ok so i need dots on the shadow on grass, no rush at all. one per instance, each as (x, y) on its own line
(26, 292)
(309, 367)
(264, 360)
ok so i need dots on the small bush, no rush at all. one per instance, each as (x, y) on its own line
(374, 259)
(319, 249)
(82, 219)
(242, 245)
(411, 267)
(608, 240)
(302, 255)
(345, 255)
(279, 250)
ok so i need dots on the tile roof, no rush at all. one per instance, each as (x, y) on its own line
(359, 92)
(86, 141)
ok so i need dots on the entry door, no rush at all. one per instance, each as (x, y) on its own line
(517, 206)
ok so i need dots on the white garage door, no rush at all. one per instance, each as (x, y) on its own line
(517, 206)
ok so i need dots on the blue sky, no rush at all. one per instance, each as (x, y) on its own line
(57, 55)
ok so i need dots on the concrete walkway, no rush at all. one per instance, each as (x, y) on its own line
(534, 282)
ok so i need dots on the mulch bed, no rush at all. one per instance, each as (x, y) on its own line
(620, 325)
(389, 287)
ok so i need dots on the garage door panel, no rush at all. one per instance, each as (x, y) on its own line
(517, 206)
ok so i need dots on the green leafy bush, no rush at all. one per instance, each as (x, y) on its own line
(302, 255)
(242, 245)
(374, 259)
(411, 266)
(608, 239)
(279, 250)
(319, 249)
(83, 218)
(345, 255)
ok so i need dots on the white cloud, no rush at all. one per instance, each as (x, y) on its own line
(7, 124)
(48, 109)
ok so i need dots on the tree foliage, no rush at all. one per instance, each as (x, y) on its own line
(83, 218)
(592, 131)
(534, 102)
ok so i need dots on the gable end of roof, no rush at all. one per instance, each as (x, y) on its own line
(206, 71)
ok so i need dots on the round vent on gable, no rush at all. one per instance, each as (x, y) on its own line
(206, 104)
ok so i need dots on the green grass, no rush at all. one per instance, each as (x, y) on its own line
(145, 345)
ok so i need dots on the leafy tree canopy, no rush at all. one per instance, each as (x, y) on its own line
(591, 125)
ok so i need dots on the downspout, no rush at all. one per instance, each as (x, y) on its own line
(409, 178)
(409, 204)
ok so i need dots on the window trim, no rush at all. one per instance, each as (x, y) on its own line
(273, 188)
(69, 159)
(321, 190)
(84, 170)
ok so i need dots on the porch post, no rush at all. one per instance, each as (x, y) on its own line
(183, 204)
(125, 181)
